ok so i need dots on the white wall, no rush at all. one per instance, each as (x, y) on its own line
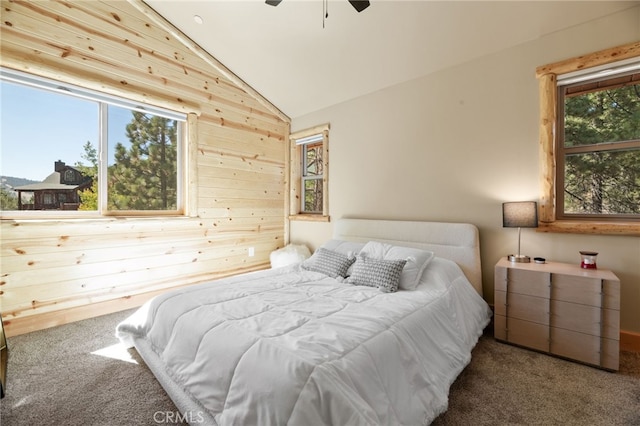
(453, 145)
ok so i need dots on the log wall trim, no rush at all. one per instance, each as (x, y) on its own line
(59, 270)
(547, 77)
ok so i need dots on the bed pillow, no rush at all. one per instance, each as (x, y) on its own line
(328, 262)
(380, 273)
(350, 248)
(417, 260)
(288, 255)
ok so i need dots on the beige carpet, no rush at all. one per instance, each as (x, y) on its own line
(63, 376)
(507, 385)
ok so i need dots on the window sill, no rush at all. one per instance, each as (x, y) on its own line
(84, 218)
(592, 227)
(310, 217)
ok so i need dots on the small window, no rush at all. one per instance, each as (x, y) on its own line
(598, 149)
(48, 199)
(312, 177)
(309, 159)
(68, 148)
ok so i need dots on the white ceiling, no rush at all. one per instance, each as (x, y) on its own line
(285, 54)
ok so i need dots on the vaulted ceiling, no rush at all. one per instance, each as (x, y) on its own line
(303, 61)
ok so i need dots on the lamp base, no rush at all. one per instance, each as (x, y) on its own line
(519, 258)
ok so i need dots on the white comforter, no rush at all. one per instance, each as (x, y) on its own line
(287, 346)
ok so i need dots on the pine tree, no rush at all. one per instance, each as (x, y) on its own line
(607, 181)
(8, 201)
(144, 177)
(89, 196)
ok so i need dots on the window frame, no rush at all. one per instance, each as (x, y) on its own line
(296, 175)
(103, 101)
(602, 83)
(547, 75)
(309, 178)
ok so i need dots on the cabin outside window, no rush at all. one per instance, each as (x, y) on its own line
(308, 168)
(68, 151)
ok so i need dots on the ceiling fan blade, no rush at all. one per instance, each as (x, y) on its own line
(273, 2)
(359, 5)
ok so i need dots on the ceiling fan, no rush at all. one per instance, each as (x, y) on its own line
(358, 5)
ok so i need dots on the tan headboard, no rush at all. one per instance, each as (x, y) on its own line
(459, 242)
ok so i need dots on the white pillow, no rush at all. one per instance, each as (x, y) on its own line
(288, 255)
(349, 248)
(417, 260)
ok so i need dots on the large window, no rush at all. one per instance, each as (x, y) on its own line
(308, 164)
(598, 146)
(590, 143)
(68, 149)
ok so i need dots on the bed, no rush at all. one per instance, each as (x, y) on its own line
(324, 341)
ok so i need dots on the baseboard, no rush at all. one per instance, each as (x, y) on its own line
(629, 341)
(17, 326)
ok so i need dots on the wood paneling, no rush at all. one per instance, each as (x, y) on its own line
(235, 168)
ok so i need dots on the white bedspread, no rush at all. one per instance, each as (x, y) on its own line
(287, 346)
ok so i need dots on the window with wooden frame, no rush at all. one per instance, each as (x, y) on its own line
(309, 158)
(71, 152)
(590, 143)
(598, 146)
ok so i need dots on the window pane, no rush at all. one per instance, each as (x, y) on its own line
(46, 142)
(313, 159)
(313, 195)
(603, 116)
(602, 183)
(143, 161)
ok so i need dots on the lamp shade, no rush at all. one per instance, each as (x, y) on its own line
(520, 214)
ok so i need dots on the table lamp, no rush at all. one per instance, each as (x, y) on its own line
(520, 214)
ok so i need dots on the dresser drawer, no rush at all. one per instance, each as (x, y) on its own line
(518, 281)
(586, 291)
(585, 348)
(571, 288)
(524, 333)
(520, 306)
(585, 319)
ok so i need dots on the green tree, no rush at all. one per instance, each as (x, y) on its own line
(8, 201)
(89, 196)
(603, 181)
(313, 170)
(144, 176)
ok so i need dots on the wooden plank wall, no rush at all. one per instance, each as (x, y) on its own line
(56, 271)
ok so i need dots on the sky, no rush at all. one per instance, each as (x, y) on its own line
(38, 127)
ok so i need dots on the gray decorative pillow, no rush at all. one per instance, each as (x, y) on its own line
(384, 274)
(328, 262)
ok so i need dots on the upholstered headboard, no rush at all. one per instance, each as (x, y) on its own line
(458, 242)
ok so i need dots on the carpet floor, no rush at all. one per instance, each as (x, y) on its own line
(78, 374)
